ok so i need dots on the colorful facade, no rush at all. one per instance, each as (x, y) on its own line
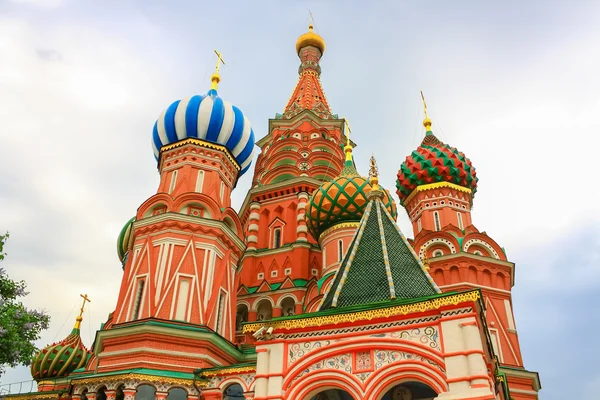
(310, 291)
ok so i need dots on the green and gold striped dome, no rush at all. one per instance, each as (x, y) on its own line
(342, 200)
(60, 359)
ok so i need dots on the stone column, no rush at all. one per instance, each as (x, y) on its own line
(248, 395)
(302, 230)
(477, 366)
(91, 395)
(129, 394)
(253, 220)
(110, 394)
(262, 372)
(276, 311)
(212, 394)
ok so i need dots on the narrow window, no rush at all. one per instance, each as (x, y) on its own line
(220, 309)
(419, 227)
(340, 250)
(199, 181)
(173, 181)
(436, 220)
(182, 300)
(135, 313)
(509, 315)
(277, 238)
(459, 217)
(222, 190)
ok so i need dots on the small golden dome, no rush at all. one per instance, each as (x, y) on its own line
(310, 39)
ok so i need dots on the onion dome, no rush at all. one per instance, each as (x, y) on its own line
(208, 118)
(434, 162)
(342, 200)
(123, 240)
(310, 39)
(60, 359)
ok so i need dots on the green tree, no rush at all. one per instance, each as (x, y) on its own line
(19, 326)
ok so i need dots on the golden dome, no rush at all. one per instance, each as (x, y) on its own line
(310, 39)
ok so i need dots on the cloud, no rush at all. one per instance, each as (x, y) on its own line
(40, 3)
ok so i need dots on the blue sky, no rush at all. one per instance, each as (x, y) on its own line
(514, 85)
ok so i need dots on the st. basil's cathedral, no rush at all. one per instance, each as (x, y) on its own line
(310, 291)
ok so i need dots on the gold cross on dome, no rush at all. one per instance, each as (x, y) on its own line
(424, 104)
(219, 60)
(348, 131)
(85, 299)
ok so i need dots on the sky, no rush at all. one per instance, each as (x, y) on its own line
(513, 84)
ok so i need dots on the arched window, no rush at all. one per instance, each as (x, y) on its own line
(84, 394)
(332, 394)
(137, 304)
(233, 392)
(221, 311)
(101, 394)
(459, 219)
(241, 316)
(410, 390)
(419, 226)
(436, 220)
(145, 392)
(288, 307)
(340, 250)
(222, 191)
(264, 311)
(177, 394)
(438, 253)
(120, 395)
(276, 238)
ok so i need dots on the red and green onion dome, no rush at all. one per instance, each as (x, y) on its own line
(60, 359)
(123, 240)
(434, 162)
(342, 200)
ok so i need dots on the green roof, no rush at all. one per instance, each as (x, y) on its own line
(380, 265)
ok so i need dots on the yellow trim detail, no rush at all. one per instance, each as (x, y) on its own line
(339, 226)
(202, 143)
(36, 396)
(227, 371)
(368, 315)
(436, 185)
(130, 376)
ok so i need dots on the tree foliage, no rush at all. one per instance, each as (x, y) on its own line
(19, 327)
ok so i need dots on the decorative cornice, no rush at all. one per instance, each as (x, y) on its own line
(36, 396)
(228, 371)
(436, 185)
(367, 315)
(133, 376)
(201, 143)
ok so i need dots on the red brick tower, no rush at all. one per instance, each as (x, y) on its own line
(181, 252)
(436, 185)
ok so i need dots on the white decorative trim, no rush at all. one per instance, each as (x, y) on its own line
(428, 243)
(482, 243)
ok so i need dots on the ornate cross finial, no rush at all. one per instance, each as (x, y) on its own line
(348, 147)
(312, 21)
(426, 121)
(220, 60)
(80, 318)
(376, 192)
(373, 170)
(216, 78)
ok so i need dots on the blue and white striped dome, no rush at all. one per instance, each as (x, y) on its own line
(208, 118)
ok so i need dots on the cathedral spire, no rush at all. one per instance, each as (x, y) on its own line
(308, 93)
(426, 121)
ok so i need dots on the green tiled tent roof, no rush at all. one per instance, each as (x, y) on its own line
(380, 265)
